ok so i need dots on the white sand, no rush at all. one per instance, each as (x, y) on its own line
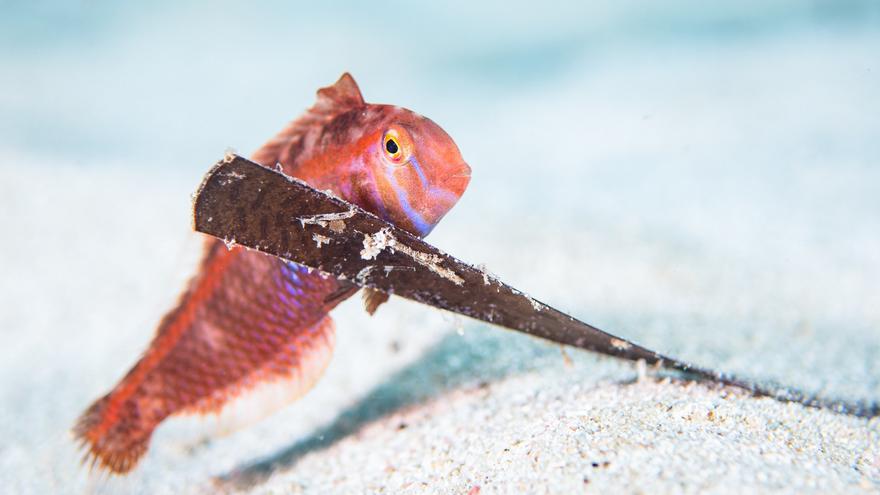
(487, 407)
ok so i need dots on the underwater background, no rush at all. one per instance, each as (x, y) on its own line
(700, 177)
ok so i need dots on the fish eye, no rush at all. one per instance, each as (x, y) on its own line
(392, 145)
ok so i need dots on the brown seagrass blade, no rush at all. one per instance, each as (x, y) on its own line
(245, 203)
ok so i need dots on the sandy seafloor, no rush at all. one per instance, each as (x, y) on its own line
(716, 201)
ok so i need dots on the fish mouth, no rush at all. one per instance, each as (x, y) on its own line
(458, 182)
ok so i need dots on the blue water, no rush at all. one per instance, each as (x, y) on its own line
(176, 83)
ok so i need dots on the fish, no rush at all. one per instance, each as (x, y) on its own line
(247, 320)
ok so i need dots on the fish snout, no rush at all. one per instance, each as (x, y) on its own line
(457, 182)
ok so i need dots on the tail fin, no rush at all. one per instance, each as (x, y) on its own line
(116, 444)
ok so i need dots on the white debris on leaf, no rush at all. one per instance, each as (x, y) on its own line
(535, 304)
(390, 268)
(620, 344)
(329, 192)
(361, 277)
(488, 277)
(337, 226)
(324, 219)
(230, 243)
(428, 260)
(375, 243)
(320, 239)
(231, 176)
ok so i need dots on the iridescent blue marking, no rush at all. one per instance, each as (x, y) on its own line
(418, 167)
(293, 280)
(296, 270)
(418, 222)
(436, 193)
(440, 194)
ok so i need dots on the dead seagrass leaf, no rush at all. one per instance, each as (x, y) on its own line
(247, 204)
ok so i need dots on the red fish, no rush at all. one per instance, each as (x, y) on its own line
(247, 319)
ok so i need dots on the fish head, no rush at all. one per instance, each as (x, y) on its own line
(412, 168)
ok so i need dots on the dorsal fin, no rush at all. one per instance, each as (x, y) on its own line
(342, 96)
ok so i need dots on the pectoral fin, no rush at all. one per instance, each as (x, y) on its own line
(373, 299)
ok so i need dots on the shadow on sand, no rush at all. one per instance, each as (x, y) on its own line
(481, 355)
